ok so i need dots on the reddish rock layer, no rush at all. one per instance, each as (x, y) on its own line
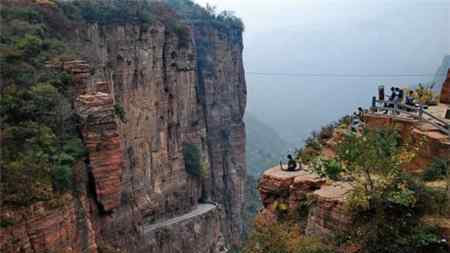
(79, 70)
(46, 228)
(101, 137)
(287, 187)
(327, 214)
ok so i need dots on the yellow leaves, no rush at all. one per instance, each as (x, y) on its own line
(279, 206)
(425, 94)
(358, 200)
(406, 156)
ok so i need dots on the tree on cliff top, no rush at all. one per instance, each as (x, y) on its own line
(387, 203)
(195, 13)
(373, 158)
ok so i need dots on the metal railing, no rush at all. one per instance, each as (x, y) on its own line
(417, 112)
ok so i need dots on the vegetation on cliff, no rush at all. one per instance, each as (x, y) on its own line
(193, 161)
(40, 137)
(283, 237)
(387, 206)
(196, 14)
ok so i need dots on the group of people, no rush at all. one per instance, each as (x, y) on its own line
(397, 95)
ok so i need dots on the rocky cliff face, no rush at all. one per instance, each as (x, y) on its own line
(223, 97)
(441, 73)
(142, 94)
(326, 213)
(445, 92)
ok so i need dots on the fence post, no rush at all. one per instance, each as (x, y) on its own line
(420, 111)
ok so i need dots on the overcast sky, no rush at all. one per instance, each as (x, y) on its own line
(396, 35)
(335, 36)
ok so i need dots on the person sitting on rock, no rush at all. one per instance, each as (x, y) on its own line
(409, 100)
(292, 164)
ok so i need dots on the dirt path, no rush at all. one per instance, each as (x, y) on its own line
(199, 210)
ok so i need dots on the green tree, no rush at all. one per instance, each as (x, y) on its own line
(192, 159)
(386, 202)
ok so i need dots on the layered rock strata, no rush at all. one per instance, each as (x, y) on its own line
(143, 94)
(61, 225)
(326, 215)
(102, 140)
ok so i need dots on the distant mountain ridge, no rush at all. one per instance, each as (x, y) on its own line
(441, 73)
(264, 147)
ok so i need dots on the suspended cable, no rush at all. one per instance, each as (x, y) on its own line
(334, 74)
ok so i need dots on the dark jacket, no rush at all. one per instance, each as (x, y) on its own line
(292, 165)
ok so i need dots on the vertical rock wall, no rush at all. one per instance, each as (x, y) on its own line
(223, 92)
(173, 93)
(143, 93)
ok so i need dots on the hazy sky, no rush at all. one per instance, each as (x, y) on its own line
(334, 36)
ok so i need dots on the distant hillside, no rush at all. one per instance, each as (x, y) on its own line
(441, 73)
(264, 146)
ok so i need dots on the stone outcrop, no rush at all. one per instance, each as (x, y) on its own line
(102, 140)
(445, 92)
(326, 215)
(287, 187)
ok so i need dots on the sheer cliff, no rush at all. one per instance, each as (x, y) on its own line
(148, 95)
